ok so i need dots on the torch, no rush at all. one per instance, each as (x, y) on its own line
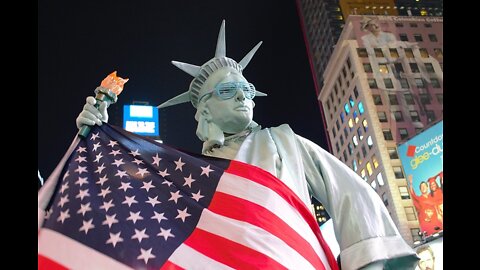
(108, 92)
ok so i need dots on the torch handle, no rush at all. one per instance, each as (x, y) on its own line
(100, 97)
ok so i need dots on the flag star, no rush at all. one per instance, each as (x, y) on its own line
(66, 175)
(168, 183)
(140, 235)
(153, 201)
(63, 200)
(188, 181)
(145, 255)
(121, 173)
(134, 153)
(107, 205)
(137, 161)
(159, 216)
(125, 186)
(129, 200)
(148, 185)
(87, 225)
(165, 233)
(95, 146)
(102, 180)
(84, 208)
(118, 162)
(104, 192)
(142, 171)
(82, 194)
(81, 149)
(134, 217)
(63, 215)
(48, 213)
(197, 196)
(81, 169)
(114, 153)
(156, 160)
(81, 159)
(112, 143)
(94, 136)
(100, 168)
(182, 214)
(179, 164)
(81, 181)
(163, 173)
(64, 187)
(114, 239)
(110, 220)
(206, 171)
(98, 157)
(175, 196)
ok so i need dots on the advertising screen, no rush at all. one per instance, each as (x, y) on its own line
(422, 160)
(431, 255)
(141, 119)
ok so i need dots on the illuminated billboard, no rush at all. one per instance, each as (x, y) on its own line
(431, 255)
(141, 119)
(422, 159)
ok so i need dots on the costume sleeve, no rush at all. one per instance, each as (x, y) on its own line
(363, 227)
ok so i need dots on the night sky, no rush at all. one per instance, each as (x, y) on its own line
(81, 42)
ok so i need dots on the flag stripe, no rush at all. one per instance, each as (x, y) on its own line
(45, 263)
(252, 237)
(58, 248)
(185, 257)
(252, 191)
(266, 179)
(171, 266)
(243, 210)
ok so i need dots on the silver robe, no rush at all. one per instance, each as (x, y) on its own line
(363, 227)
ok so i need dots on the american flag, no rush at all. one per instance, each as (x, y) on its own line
(127, 202)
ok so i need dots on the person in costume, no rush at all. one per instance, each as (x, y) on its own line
(223, 97)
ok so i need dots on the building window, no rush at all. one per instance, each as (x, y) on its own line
(355, 140)
(377, 100)
(367, 67)
(416, 234)
(418, 37)
(425, 98)
(382, 117)
(341, 139)
(438, 52)
(362, 52)
(369, 168)
(430, 116)
(404, 83)
(387, 134)
(328, 104)
(347, 108)
(372, 83)
(393, 99)
(382, 68)
(429, 68)
(392, 152)
(359, 159)
(409, 99)
(419, 82)
(399, 24)
(349, 64)
(414, 116)
(439, 98)
(424, 53)
(428, 25)
(414, 67)
(345, 132)
(362, 173)
(388, 83)
(350, 123)
(398, 116)
(404, 194)
(354, 165)
(397, 170)
(365, 125)
(432, 37)
(435, 83)
(360, 133)
(409, 53)
(375, 161)
(344, 72)
(373, 184)
(399, 67)
(345, 156)
(342, 117)
(378, 52)
(403, 133)
(418, 130)
(380, 179)
(337, 147)
(385, 199)
(355, 92)
(403, 37)
(337, 124)
(393, 53)
(360, 108)
(364, 151)
(334, 133)
(414, 25)
(410, 212)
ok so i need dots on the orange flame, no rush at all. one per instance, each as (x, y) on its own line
(114, 83)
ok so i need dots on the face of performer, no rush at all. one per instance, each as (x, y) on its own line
(427, 260)
(232, 112)
(433, 186)
(373, 27)
(423, 188)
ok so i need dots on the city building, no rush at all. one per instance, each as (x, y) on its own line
(419, 7)
(380, 90)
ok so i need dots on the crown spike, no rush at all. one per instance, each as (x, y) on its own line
(193, 70)
(246, 59)
(182, 98)
(221, 50)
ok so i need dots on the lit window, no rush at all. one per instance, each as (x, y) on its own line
(354, 164)
(398, 172)
(373, 184)
(382, 68)
(355, 115)
(360, 108)
(350, 123)
(409, 53)
(350, 148)
(369, 168)
(355, 140)
(394, 53)
(378, 52)
(359, 159)
(375, 161)
(380, 179)
(352, 102)
(438, 52)
(404, 194)
(370, 141)
(424, 52)
(362, 173)
(365, 125)
(347, 108)
(423, 12)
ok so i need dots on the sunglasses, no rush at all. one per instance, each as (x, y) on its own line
(228, 90)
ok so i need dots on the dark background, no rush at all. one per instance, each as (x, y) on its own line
(80, 42)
